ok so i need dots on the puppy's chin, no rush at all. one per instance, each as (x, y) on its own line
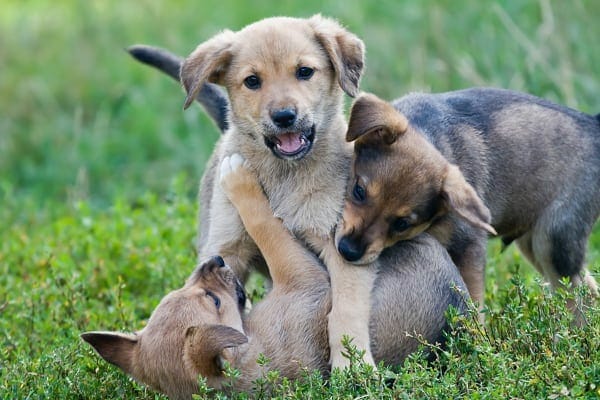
(292, 145)
(367, 259)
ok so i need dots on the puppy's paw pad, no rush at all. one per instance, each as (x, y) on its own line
(225, 168)
(236, 161)
(231, 164)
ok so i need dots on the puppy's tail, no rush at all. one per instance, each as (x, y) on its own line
(212, 97)
(506, 241)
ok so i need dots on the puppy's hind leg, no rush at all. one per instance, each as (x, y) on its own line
(559, 251)
(557, 247)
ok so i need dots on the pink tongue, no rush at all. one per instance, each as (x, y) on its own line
(289, 142)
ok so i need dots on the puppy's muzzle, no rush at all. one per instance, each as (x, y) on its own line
(350, 249)
(293, 140)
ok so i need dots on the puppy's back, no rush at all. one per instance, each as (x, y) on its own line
(518, 151)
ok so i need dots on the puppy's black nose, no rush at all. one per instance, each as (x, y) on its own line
(284, 118)
(219, 261)
(350, 250)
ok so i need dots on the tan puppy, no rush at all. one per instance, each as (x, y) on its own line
(534, 163)
(195, 329)
(285, 79)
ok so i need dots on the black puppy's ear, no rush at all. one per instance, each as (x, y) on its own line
(115, 347)
(208, 63)
(204, 345)
(458, 196)
(372, 118)
(345, 50)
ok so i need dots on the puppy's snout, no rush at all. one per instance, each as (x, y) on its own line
(284, 118)
(350, 249)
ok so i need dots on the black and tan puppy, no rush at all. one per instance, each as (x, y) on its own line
(432, 162)
(198, 327)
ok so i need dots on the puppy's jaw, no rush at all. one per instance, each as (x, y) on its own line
(351, 229)
(291, 144)
(210, 281)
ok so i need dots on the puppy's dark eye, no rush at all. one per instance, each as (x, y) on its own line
(304, 73)
(241, 295)
(400, 225)
(252, 82)
(359, 193)
(214, 298)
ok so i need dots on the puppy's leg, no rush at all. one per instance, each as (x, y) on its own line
(469, 256)
(559, 246)
(351, 288)
(288, 261)
(556, 247)
(227, 237)
(559, 249)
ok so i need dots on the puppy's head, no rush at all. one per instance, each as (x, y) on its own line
(400, 184)
(191, 332)
(283, 76)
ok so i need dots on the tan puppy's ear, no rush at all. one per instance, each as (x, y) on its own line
(204, 345)
(461, 198)
(208, 63)
(372, 118)
(116, 348)
(345, 50)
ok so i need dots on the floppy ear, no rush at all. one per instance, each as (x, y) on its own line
(345, 50)
(115, 347)
(204, 345)
(208, 63)
(460, 197)
(372, 118)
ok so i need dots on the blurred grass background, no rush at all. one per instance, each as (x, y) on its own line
(79, 119)
(99, 164)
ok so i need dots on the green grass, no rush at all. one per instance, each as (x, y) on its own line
(98, 172)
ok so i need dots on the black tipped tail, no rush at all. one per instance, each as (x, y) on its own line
(158, 58)
(212, 97)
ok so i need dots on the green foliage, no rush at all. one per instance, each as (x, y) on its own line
(66, 270)
(82, 121)
(98, 172)
(70, 269)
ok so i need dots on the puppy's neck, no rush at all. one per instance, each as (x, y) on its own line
(309, 196)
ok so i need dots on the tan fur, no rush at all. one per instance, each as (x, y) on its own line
(188, 336)
(302, 191)
(154, 354)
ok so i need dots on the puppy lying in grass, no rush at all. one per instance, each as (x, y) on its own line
(432, 162)
(199, 328)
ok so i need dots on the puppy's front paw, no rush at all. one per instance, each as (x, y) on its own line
(236, 178)
(229, 165)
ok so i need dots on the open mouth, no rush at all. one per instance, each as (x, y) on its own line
(291, 145)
